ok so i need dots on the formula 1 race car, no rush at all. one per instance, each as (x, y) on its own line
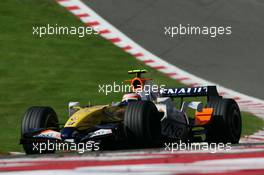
(141, 118)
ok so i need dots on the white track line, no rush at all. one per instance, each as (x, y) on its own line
(109, 32)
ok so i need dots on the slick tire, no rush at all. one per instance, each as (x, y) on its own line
(226, 123)
(142, 122)
(38, 118)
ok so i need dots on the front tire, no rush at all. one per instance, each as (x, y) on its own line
(38, 118)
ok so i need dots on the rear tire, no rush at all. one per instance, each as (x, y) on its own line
(226, 123)
(142, 122)
(38, 118)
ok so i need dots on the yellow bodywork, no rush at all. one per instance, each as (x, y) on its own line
(88, 117)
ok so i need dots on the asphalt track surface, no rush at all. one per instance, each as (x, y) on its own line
(235, 61)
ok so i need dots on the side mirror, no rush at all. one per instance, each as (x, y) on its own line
(71, 107)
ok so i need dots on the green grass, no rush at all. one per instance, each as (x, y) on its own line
(54, 70)
(251, 124)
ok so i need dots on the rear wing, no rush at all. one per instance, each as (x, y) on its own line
(202, 91)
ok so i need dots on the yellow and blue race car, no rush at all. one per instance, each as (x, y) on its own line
(140, 119)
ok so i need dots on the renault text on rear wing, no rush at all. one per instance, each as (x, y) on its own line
(209, 91)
